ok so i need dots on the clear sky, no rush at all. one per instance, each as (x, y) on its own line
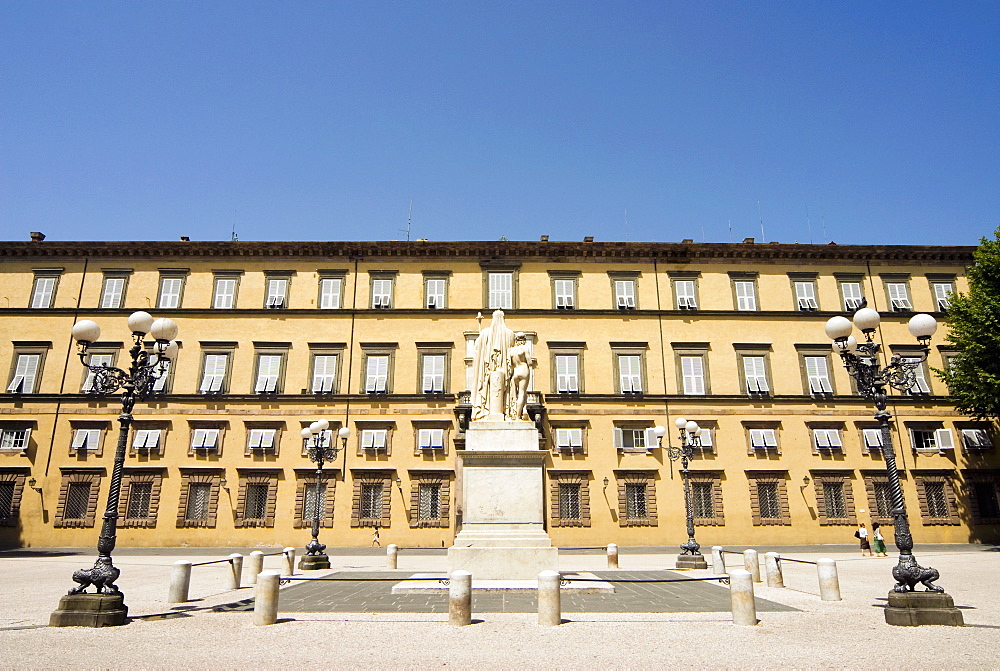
(859, 122)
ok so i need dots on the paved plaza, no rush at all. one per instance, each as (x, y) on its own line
(357, 622)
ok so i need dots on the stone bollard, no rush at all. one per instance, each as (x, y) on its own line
(549, 600)
(612, 555)
(255, 564)
(391, 553)
(741, 594)
(772, 568)
(460, 599)
(235, 575)
(180, 581)
(289, 561)
(265, 598)
(829, 583)
(752, 564)
(718, 560)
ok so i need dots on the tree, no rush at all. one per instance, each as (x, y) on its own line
(973, 374)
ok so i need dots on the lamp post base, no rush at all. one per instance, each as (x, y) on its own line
(314, 562)
(90, 610)
(912, 609)
(691, 561)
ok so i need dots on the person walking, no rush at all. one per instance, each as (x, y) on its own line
(878, 540)
(862, 535)
(375, 539)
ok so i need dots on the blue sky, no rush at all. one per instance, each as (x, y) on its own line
(859, 122)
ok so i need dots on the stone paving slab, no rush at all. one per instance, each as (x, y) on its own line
(371, 592)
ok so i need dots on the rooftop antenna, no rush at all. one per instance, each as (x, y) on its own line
(409, 220)
(234, 238)
(823, 219)
(810, 225)
(760, 214)
(730, 230)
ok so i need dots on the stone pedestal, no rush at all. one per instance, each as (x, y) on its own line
(503, 533)
(90, 610)
(912, 609)
(690, 561)
(314, 562)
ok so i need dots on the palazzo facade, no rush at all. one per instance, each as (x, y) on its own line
(377, 337)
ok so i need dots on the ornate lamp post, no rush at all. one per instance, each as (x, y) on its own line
(78, 608)
(863, 361)
(690, 556)
(320, 450)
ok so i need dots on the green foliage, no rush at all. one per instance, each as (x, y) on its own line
(973, 374)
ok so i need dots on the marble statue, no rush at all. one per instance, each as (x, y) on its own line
(501, 370)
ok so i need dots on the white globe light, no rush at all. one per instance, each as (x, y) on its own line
(680, 422)
(344, 433)
(306, 433)
(838, 327)
(164, 329)
(323, 424)
(922, 326)
(140, 322)
(867, 320)
(691, 426)
(86, 331)
(170, 350)
(659, 431)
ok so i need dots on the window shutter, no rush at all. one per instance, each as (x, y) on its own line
(745, 298)
(818, 374)
(268, 368)
(215, 372)
(566, 373)
(650, 437)
(329, 293)
(805, 293)
(619, 438)
(170, 292)
(377, 374)
(942, 296)
(225, 292)
(944, 439)
(95, 360)
(629, 368)
(852, 295)
(24, 374)
(433, 373)
(113, 287)
(44, 287)
(324, 371)
(685, 294)
(625, 293)
(693, 374)
(501, 287)
(753, 369)
(705, 436)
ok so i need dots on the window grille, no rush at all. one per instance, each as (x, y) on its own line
(309, 511)
(883, 499)
(833, 496)
(139, 497)
(430, 501)
(7, 499)
(256, 501)
(25, 373)
(770, 503)
(937, 504)
(77, 501)
(371, 500)
(635, 500)
(703, 499)
(569, 501)
(199, 495)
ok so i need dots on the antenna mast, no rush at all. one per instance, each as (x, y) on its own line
(760, 213)
(409, 219)
(233, 237)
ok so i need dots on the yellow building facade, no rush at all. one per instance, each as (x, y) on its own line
(377, 337)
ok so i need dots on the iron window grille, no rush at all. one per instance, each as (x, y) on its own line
(569, 501)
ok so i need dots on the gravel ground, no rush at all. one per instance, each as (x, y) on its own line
(849, 633)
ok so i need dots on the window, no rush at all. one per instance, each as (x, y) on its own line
(171, 289)
(160, 385)
(625, 294)
(372, 499)
(871, 439)
(702, 503)
(86, 440)
(634, 438)
(258, 493)
(805, 295)
(140, 501)
(937, 499)
(899, 296)
(435, 292)
(432, 373)
(768, 499)
(569, 439)
(693, 375)
(746, 295)
(500, 290)
(833, 499)
(761, 437)
(984, 499)
(197, 504)
(569, 501)
(381, 292)
(629, 373)
(11, 489)
(827, 439)
(568, 373)
(817, 375)
(685, 288)
(636, 499)
(224, 295)
(852, 295)
(113, 290)
(206, 439)
(942, 295)
(931, 439)
(78, 498)
(755, 374)
(376, 374)
(146, 439)
(373, 440)
(430, 439)
(706, 439)
(268, 373)
(308, 501)
(106, 359)
(706, 499)
(429, 498)
(569, 494)
(276, 296)
(920, 385)
(199, 497)
(565, 292)
(43, 292)
(429, 503)
(976, 439)
(330, 290)
(214, 371)
(25, 375)
(324, 377)
(14, 437)
(262, 440)
(883, 500)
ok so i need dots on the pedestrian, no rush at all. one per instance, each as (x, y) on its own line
(862, 535)
(375, 541)
(879, 540)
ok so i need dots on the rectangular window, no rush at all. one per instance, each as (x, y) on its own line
(277, 292)
(703, 499)
(171, 287)
(937, 504)
(987, 507)
(7, 510)
(833, 498)
(627, 438)
(567, 373)
(139, 497)
(693, 375)
(224, 296)
(755, 373)
(146, 439)
(570, 439)
(255, 508)
(196, 509)
(324, 373)
(976, 439)
(430, 439)
(746, 295)
(899, 296)
(95, 360)
(686, 297)
(77, 501)
(565, 291)
(942, 295)
(268, 372)
(501, 291)
(160, 385)
(113, 292)
(25, 374)
(705, 440)
(214, 376)
(14, 438)
(770, 503)
(852, 295)
(625, 294)
(376, 374)
(371, 501)
(374, 439)
(827, 439)
(261, 439)
(429, 506)
(805, 296)
(44, 291)
(569, 501)
(630, 373)
(86, 440)
(818, 375)
(635, 500)
(256, 503)
(931, 439)
(310, 504)
(883, 499)
(763, 439)
(872, 438)
(435, 293)
(768, 499)
(205, 439)
(433, 373)
(329, 292)
(920, 385)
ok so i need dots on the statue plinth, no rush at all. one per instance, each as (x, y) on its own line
(503, 533)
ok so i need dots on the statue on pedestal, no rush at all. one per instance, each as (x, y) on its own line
(501, 370)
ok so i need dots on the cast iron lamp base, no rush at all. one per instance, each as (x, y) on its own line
(90, 610)
(911, 609)
(314, 562)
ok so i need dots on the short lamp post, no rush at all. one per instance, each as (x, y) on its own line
(864, 363)
(690, 556)
(145, 368)
(320, 450)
